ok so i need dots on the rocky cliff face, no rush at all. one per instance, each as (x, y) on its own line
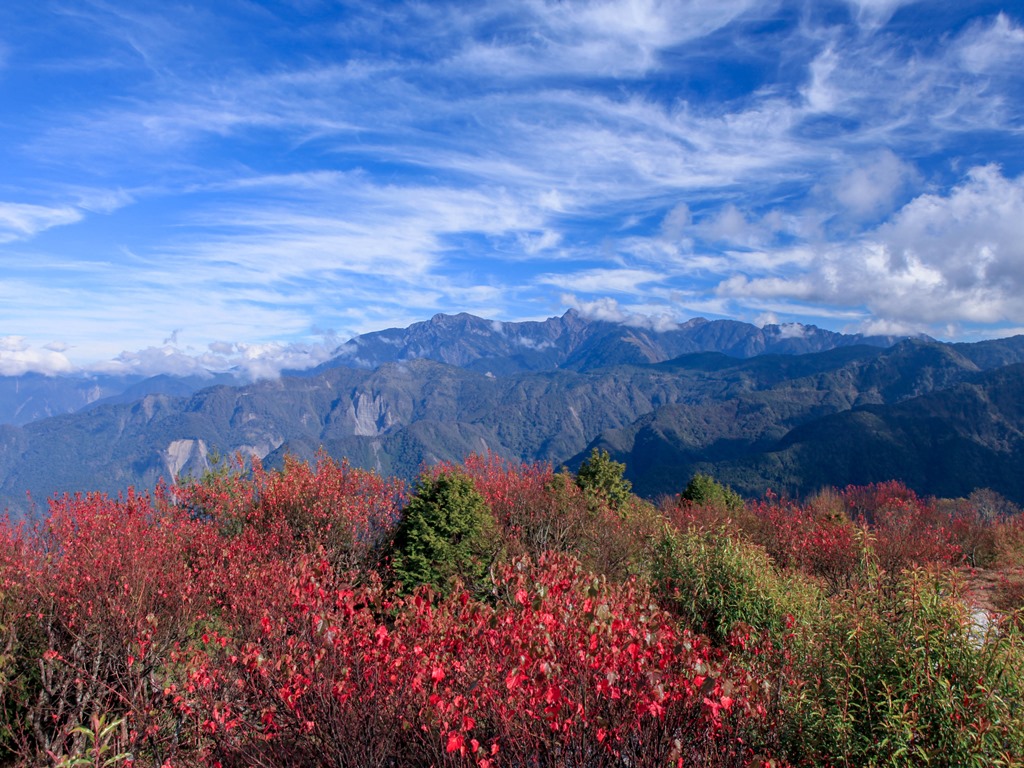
(186, 457)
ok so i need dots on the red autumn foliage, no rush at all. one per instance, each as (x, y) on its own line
(564, 669)
(238, 620)
(348, 512)
(108, 588)
(813, 538)
(538, 510)
(906, 530)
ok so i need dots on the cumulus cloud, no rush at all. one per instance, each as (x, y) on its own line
(17, 357)
(873, 185)
(606, 308)
(973, 237)
(942, 258)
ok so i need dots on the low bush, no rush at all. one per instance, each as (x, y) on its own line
(566, 669)
(907, 531)
(898, 676)
(536, 509)
(107, 588)
(245, 620)
(348, 513)
(715, 581)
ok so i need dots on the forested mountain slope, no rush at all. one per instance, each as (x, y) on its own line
(849, 413)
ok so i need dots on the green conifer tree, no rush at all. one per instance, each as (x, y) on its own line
(447, 532)
(704, 490)
(602, 479)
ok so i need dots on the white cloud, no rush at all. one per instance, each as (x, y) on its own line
(534, 243)
(882, 327)
(820, 93)
(973, 237)
(873, 185)
(732, 226)
(17, 357)
(740, 286)
(994, 48)
(103, 200)
(876, 13)
(622, 280)
(793, 331)
(942, 258)
(248, 361)
(19, 221)
(617, 38)
(608, 309)
(675, 222)
(537, 346)
(13, 344)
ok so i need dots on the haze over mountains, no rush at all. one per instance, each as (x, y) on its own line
(789, 407)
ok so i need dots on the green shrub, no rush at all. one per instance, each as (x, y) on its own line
(704, 490)
(447, 533)
(714, 581)
(602, 480)
(901, 675)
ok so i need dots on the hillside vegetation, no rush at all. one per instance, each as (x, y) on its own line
(504, 614)
(788, 408)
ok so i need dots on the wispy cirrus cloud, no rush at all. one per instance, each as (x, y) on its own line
(23, 220)
(628, 281)
(609, 37)
(366, 166)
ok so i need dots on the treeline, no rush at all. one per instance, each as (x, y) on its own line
(503, 614)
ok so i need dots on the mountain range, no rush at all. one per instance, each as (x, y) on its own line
(789, 407)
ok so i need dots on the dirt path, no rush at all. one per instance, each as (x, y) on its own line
(982, 586)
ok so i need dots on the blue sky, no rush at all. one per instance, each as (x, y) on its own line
(243, 182)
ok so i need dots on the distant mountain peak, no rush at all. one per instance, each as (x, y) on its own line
(577, 342)
(718, 396)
